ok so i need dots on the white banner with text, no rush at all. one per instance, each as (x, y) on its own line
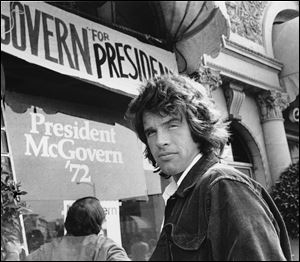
(69, 44)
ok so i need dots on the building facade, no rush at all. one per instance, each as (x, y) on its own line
(69, 70)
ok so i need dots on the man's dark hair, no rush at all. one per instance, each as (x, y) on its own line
(84, 217)
(179, 95)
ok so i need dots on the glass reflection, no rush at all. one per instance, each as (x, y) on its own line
(140, 224)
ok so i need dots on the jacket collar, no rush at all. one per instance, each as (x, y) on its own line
(201, 166)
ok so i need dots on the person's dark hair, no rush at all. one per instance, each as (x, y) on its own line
(179, 95)
(84, 217)
(35, 239)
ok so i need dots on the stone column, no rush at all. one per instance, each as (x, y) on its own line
(271, 105)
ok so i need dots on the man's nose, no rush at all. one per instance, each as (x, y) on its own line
(163, 138)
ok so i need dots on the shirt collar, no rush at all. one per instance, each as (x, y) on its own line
(173, 186)
(196, 158)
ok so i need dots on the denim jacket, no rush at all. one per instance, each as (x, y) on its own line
(218, 213)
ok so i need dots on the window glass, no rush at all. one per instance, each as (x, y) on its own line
(46, 133)
(140, 226)
(139, 223)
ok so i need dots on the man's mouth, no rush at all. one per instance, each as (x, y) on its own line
(166, 156)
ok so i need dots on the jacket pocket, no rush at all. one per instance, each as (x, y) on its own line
(176, 244)
(187, 246)
(187, 240)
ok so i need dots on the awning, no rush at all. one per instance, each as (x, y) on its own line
(286, 50)
(194, 28)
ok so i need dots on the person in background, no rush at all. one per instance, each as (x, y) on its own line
(213, 211)
(139, 249)
(83, 241)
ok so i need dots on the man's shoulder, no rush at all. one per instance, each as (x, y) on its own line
(222, 171)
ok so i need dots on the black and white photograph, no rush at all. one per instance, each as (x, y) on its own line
(150, 130)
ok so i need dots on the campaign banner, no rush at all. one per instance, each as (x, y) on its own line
(69, 44)
(61, 156)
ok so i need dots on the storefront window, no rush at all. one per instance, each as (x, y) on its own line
(140, 226)
(44, 223)
(62, 152)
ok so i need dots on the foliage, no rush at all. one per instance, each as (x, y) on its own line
(285, 194)
(11, 208)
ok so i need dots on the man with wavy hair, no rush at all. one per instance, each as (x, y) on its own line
(213, 211)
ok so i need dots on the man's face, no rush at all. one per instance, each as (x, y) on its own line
(170, 142)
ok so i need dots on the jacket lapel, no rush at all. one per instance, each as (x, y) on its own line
(201, 166)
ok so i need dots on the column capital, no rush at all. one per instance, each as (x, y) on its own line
(272, 103)
(208, 77)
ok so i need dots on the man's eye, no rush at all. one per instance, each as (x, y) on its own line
(173, 125)
(150, 133)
